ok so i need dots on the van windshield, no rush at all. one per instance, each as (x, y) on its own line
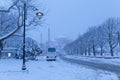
(51, 50)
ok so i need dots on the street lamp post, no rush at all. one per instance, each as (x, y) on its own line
(39, 14)
(24, 31)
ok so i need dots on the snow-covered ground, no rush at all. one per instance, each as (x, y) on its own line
(114, 61)
(10, 69)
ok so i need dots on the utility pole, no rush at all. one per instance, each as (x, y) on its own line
(49, 40)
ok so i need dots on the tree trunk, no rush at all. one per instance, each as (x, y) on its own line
(94, 53)
(89, 51)
(101, 50)
(0, 54)
(85, 52)
(119, 39)
(1, 48)
(111, 49)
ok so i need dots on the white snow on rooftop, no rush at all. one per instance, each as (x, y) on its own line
(5, 4)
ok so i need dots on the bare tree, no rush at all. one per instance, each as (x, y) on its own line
(101, 38)
(15, 19)
(110, 28)
(93, 39)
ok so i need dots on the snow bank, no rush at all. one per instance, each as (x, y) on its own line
(114, 61)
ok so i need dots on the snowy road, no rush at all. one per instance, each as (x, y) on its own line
(92, 64)
(10, 69)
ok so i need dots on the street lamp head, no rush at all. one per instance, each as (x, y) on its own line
(39, 14)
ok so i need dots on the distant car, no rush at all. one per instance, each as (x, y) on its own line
(51, 54)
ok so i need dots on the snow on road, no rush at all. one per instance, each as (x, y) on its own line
(10, 69)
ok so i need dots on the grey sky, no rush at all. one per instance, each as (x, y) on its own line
(70, 18)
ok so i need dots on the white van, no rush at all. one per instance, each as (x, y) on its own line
(51, 54)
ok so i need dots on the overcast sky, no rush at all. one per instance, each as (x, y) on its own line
(70, 18)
